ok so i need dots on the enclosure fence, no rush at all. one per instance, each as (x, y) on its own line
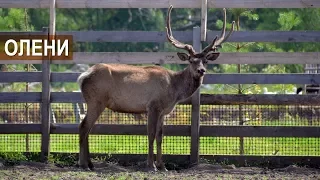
(205, 125)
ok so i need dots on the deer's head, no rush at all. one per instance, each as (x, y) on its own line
(198, 61)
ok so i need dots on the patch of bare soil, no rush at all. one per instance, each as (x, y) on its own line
(40, 171)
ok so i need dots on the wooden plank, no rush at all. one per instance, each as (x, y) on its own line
(20, 33)
(112, 129)
(251, 78)
(209, 99)
(195, 110)
(122, 57)
(219, 78)
(52, 25)
(259, 99)
(269, 36)
(259, 131)
(20, 77)
(263, 4)
(227, 78)
(171, 58)
(161, 4)
(268, 58)
(20, 62)
(186, 36)
(204, 131)
(64, 77)
(126, 36)
(20, 128)
(20, 97)
(45, 108)
(67, 97)
(76, 97)
(204, 15)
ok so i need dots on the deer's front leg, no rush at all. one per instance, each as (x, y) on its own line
(159, 137)
(153, 116)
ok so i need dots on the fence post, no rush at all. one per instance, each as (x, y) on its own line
(204, 8)
(45, 106)
(195, 113)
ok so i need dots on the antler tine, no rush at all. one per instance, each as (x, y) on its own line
(223, 32)
(229, 34)
(216, 42)
(172, 40)
(209, 47)
(222, 38)
(168, 28)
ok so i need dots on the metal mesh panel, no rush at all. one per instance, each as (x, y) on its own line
(20, 142)
(118, 144)
(257, 115)
(17, 113)
(260, 115)
(260, 146)
(73, 113)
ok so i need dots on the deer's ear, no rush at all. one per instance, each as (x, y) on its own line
(183, 56)
(212, 56)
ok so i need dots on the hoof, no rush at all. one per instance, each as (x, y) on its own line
(151, 169)
(91, 166)
(162, 168)
(84, 167)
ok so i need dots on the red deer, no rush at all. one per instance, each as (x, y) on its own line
(143, 89)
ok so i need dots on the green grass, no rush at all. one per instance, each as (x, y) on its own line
(123, 144)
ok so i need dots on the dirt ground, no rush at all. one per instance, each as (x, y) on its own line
(39, 171)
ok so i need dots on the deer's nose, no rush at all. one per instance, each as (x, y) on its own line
(201, 71)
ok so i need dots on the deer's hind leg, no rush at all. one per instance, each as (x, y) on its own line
(95, 108)
(153, 117)
(159, 137)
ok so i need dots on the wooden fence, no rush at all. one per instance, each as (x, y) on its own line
(195, 36)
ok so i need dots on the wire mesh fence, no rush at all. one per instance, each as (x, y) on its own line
(210, 115)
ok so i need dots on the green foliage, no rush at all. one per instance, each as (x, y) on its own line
(12, 158)
(288, 20)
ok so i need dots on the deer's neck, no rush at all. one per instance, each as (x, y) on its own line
(185, 84)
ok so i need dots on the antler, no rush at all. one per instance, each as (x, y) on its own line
(175, 42)
(217, 43)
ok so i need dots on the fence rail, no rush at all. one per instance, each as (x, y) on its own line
(218, 78)
(170, 130)
(205, 99)
(161, 4)
(186, 36)
(171, 58)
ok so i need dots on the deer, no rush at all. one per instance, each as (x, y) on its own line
(151, 89)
